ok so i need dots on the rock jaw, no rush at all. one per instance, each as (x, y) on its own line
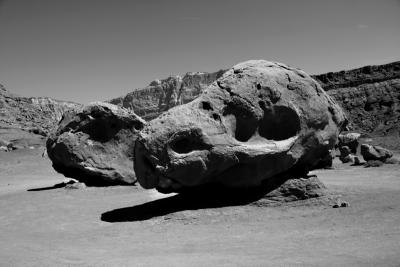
(235, 133)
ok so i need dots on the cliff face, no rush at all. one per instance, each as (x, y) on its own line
(161, 95)
(369, 95)
(40, 114)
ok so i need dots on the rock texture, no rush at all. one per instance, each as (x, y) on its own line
(161, 95)
(38, 115)
(370, 96)
(259, 120)
(95, 145)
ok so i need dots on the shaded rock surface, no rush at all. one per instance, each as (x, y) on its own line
(37, 115)
(345, 156)
(161, 95)
(95, 145)
(259, 120)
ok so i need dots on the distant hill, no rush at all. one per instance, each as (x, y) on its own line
(161, 95)
(35, 114)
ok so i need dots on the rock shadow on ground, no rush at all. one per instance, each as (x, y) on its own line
(214, 197)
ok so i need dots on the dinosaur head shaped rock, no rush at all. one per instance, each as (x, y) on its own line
(259, 120)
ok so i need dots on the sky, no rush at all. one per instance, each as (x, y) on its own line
(83, 50)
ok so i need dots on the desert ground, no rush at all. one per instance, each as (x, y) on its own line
(42, 225)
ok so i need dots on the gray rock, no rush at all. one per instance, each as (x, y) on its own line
(370, 152)
(259, 120)
(96, 145)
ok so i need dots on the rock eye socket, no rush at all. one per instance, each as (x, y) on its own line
(279, 123)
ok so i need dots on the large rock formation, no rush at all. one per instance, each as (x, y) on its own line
(36, 114)
(95, 145)
(161, 95)
(370, 96)
(260, 120)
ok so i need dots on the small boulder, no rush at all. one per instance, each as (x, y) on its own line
(370, 152)
(96, 145)
(350, 140)
(76, 185)
(341, 204)
(297, 189)
(11, 147)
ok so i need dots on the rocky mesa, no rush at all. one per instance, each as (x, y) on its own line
(36, 114)
(369, 95)
(161, 95)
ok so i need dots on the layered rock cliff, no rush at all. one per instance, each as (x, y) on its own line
(161, 95)
(369, 95)
(37, 114)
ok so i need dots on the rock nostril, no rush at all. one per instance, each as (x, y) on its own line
(188, 144)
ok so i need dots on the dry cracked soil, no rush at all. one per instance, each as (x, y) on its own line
(42, 225)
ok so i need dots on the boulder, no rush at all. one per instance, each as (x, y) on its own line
(297, 189)
(259, 120)
(350, 140)
(370, 152)
(96, 144)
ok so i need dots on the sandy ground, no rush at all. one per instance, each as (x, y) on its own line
(128, 226)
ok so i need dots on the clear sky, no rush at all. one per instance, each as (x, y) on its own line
(84, 50)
